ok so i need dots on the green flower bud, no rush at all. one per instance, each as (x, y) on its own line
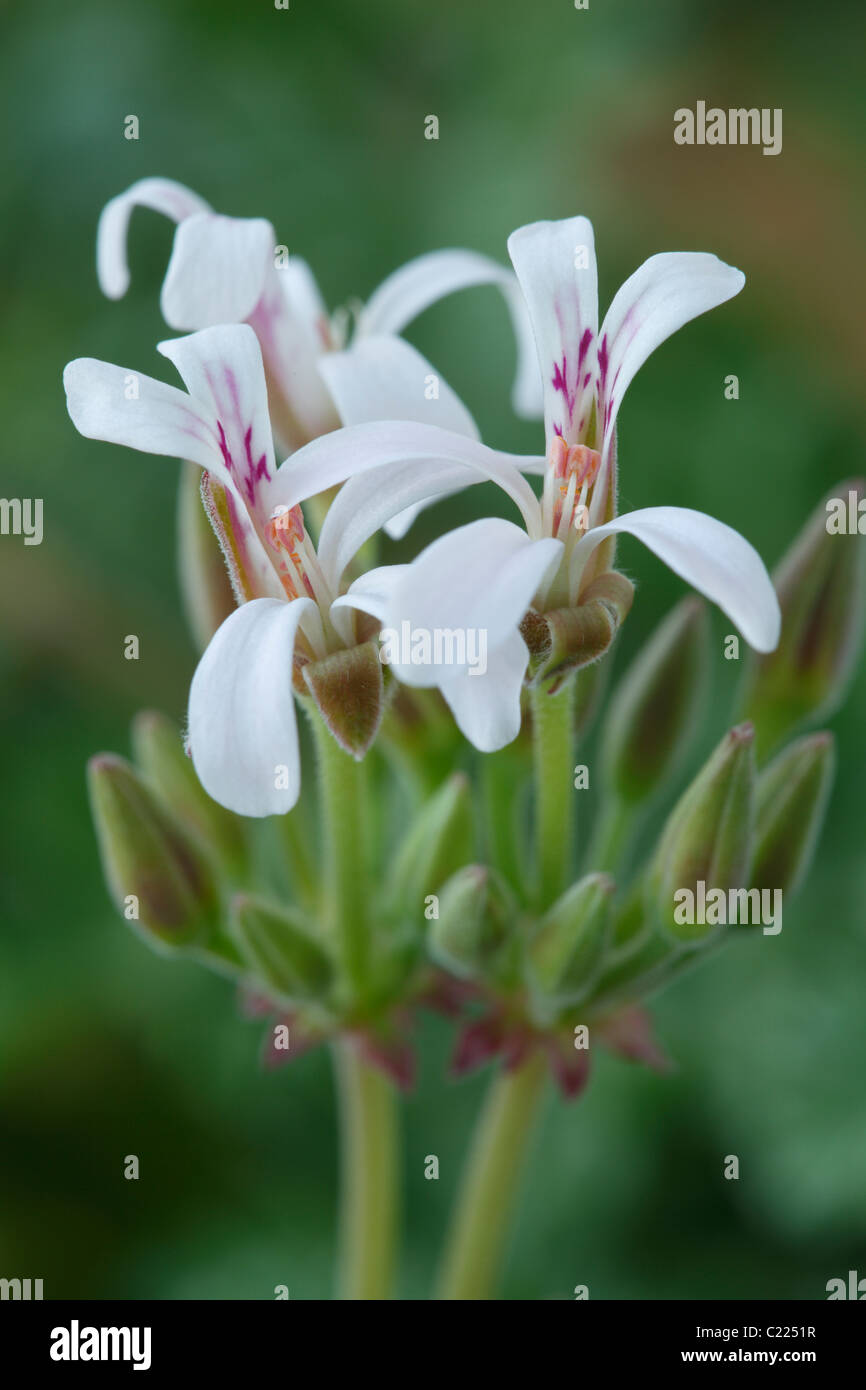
(653, 712)
(280, 949)
(205, 586)
(707, 840)
(790, 801)
(472, 927)
(348, 688)
(567, 949)
(439, 840)
(820, 584)
(160, 755)
(156, 875)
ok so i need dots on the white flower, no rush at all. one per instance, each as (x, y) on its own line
(242, 729)
(224, 270)
(487, 574)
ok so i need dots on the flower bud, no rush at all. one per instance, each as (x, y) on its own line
(348, 688)
(790, 800)
(160, 755)
(155, 873)
(706, 842)
(475, 912)
(566, 951)
(820, 584)
(280, 949)
(205, 585)
(652, 714)
(439, 840)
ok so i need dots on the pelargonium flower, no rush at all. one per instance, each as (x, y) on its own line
(292, 617)
(488, 574)
(225, 270)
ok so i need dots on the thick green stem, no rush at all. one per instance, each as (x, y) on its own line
(369, 1183)
(345, 822)
(370, 1180)
(553, 752)
(475, 1245)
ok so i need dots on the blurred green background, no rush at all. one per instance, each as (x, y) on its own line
(314, 118)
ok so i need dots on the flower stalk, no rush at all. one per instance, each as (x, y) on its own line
(344, 814)
(370, 1178)
(490, 1183)
(553, 747)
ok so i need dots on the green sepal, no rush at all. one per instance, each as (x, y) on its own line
(708, 836)
(821, 585)
(348, 689)
(160, 755)
(473, 934)
(156, 874)
(652, 715)
(568, 945)
(563, 640)
(440, 838)
(790, 801)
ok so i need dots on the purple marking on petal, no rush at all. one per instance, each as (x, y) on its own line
(603, 362)
(584, 349)
(559, 382)
(224, 449)
(256, 470)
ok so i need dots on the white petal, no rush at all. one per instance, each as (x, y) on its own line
(304, 298)
(293, 331)
(217, 270)
(710, 556)
(162, 195)
(426, 279)
(477, 581)
(222, 370)
(126, 407)
(369, 594)
(666, 292)
(385, 378)
(486, 706)
(373, 591)
(384, 495)
(388, 445)
(242, 730)
(555, 264)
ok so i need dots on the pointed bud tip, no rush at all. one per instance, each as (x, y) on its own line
(741, 735)
(106, 762)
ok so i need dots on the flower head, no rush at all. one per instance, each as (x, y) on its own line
(489, 573)
(292, 632)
